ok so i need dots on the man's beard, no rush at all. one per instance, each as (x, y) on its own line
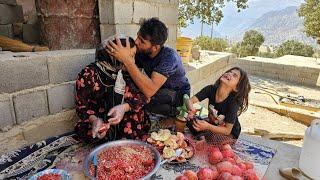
(146, 51)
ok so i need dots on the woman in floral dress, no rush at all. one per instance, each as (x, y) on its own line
(102, 87)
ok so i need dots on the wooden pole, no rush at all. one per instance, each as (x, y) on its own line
(8, 44)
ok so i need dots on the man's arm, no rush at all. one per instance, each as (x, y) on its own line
(148, 86)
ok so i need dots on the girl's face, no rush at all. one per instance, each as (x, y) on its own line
(231, 79)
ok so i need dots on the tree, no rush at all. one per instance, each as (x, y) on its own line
(214, 44)
(250, 44)
(294, 48)
(310, 11)
(208, 11)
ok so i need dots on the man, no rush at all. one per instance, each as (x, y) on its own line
(165, 81)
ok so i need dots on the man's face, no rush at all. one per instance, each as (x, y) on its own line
(143, 45)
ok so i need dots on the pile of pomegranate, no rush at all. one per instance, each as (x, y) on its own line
(124, 162)
(225, 165)
(50, 177)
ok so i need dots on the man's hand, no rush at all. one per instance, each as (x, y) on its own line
(117, 113)
(201, 125)
(119, 52)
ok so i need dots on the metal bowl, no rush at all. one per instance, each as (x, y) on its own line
(102, 147)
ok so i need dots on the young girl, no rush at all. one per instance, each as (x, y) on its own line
(228, 98)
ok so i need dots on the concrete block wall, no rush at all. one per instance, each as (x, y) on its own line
(124, 16)
(38, 84)
(303, 73)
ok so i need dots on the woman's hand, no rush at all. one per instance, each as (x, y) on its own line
(201, 125)
(99, 128)
(117, 113)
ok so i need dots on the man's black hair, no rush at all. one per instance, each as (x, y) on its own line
(154, 30)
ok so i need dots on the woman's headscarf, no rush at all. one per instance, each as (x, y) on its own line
(108, 66)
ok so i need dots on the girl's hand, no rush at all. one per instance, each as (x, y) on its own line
(201, 125)
(192, 113)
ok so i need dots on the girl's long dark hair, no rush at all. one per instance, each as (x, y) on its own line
(241, 96)
(102, 55)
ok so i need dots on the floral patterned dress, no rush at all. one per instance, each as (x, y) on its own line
(93, 97)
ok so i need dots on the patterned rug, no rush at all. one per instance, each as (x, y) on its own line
(65, 152)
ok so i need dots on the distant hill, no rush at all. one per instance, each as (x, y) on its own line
(276, 19)
(234, 21)
(279, 26)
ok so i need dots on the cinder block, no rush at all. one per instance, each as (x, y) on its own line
(31, 33)
(193, 76)
(6, 30)
(22, 71)
(168, 14)
(64, 66)
(7, 116)
(116, 11)
(174, 2)
(308, 70)
(273, 66)
(144, 9)
(30, 104)
(10, 14)
(171, 44)
(127, 29)
(61, 97)
(17, 29)
(9, 2)
(172, 33)
(205, 71)
(123, 11)
(159, 1)
(106, 11)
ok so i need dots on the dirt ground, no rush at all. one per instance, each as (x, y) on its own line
(261, 118)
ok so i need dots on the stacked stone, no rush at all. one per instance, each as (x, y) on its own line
(38, 84)
(124, 16)
(10, 15)
(18, 20)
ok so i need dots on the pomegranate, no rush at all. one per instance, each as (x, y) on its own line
(236, 171)
(225, 176)
(190, 175)
(227, 153)
(250, 175)
(230, 160)
(182, 178)
(236, 178)
(205, 174)
(215, 172)
(226, 147)
(242, 166)
(212, 149)
(225, 166)
(215, 157)
(248, 164)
